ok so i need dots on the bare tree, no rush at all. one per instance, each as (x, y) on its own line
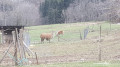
(18, 13)
(92, 10)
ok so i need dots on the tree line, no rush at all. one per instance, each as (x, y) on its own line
(37, 12)
(66, 11)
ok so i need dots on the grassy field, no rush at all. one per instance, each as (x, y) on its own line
(87, 49)
(70, 50)
(71, 30)
(72, 38)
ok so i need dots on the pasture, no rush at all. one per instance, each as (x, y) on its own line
(71, 51)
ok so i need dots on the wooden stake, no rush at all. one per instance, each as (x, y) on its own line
(100, 46)
(2, 38)
(80, 36)
(100, 57)
(100, 32)
(21, 44)
(17, 44)
(36, 58)
(15, 54)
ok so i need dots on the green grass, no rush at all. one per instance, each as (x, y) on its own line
(77, 64)
(71, 31)
(80, 65)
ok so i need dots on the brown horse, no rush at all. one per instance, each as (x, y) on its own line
(46, 36)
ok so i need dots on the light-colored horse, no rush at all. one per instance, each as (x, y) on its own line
(59, 33)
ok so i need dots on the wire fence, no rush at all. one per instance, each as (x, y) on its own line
(89, 44)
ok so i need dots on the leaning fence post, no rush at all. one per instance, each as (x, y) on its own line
(86, 31)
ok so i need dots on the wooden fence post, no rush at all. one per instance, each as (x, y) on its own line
(110, 26)
(100, 32)
(100, 56)
(80, 35)
(36, 58)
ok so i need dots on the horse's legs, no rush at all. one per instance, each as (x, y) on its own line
(42, 40)
(48, 39)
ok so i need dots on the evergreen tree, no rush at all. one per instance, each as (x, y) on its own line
(52, 10)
